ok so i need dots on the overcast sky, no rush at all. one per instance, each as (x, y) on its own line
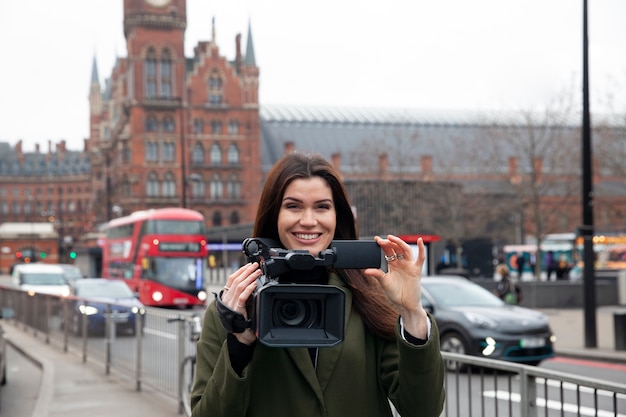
(420, 54)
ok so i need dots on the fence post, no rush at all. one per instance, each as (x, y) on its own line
(138, 344)
(181, 360)
(528, 394)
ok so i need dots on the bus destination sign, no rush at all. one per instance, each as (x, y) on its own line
(179, 247)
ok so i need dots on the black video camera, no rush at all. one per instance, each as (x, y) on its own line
(302, 315)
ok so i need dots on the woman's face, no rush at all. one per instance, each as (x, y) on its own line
(307, 217)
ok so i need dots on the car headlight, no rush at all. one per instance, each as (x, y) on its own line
(481, 321)
(88, 310)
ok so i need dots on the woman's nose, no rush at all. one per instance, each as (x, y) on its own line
(308, 218)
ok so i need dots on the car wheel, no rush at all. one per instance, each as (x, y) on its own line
(455, 343)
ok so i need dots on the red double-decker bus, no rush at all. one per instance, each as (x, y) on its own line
(161, 254)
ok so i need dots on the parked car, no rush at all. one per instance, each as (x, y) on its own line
(72, 272)
(473, 321)
(40, 278)
(92, 298)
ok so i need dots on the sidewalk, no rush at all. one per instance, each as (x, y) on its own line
(70, 388)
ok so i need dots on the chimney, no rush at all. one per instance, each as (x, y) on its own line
(538, 168)
(427, 166)
(289, 147)
(383, 166)
(18, 146)
(514, 177)
(49, 147)
(37, 148)
(336, 161)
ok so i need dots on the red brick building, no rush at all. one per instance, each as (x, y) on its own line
(168, 130)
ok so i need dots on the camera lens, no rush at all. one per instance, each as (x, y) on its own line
(296, 313)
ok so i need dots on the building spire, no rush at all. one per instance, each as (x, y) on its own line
(94, 71)
(213, 30)
(249, 60)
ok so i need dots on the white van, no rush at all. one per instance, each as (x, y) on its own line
(41, 278)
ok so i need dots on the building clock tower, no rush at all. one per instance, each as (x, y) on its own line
(175, 131)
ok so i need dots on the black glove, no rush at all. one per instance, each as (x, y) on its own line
(233, 321)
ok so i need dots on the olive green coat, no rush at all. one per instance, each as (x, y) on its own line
(355, 378)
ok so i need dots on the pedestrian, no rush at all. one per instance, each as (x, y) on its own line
(520, 262)
(550, 264)
(506, 289)
(390, 352)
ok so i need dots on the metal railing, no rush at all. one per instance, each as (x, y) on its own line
(152, 356)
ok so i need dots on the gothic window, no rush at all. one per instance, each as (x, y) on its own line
(152, 152)
(169, 185)
(215, 188)
(166, 74)
(217, 218)
(216, 88)
(197, 156)
(234, 187)
(233, 127)
(216, 155)
(151, 124)
(150, 74)
(168, 124)
(168, 152)
(215, 99)
(197, 188)
(152, 185)
(216, 127)
(198, 126)
(126, 154)
(233, 154)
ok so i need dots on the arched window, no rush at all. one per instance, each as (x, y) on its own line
(216, 155)
(216, 127)
(152, 185)
(168, 124)
(152, 152)
(216, 88)
(198, 126)
(216, 188)
(234, 217)
(233, 154)
(168, 152)
(217, 218)
(234, 187)
(233, 127)
(197, 155)
(169, 185)
(166, 74)
(150, 76)
(197, 188)
(151, 124)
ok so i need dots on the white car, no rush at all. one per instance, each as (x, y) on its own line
(41, 278)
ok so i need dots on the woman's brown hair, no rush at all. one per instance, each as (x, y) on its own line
(369, 299)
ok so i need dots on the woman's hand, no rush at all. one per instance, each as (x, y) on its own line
(401, 282)
(238, 289)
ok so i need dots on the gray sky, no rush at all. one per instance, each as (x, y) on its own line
(420, 54)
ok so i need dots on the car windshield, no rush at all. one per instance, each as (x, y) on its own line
(104, 290)
(43, 278)
(460, 293)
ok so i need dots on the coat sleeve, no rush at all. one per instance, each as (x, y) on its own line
(218, 390)
(415, 378)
